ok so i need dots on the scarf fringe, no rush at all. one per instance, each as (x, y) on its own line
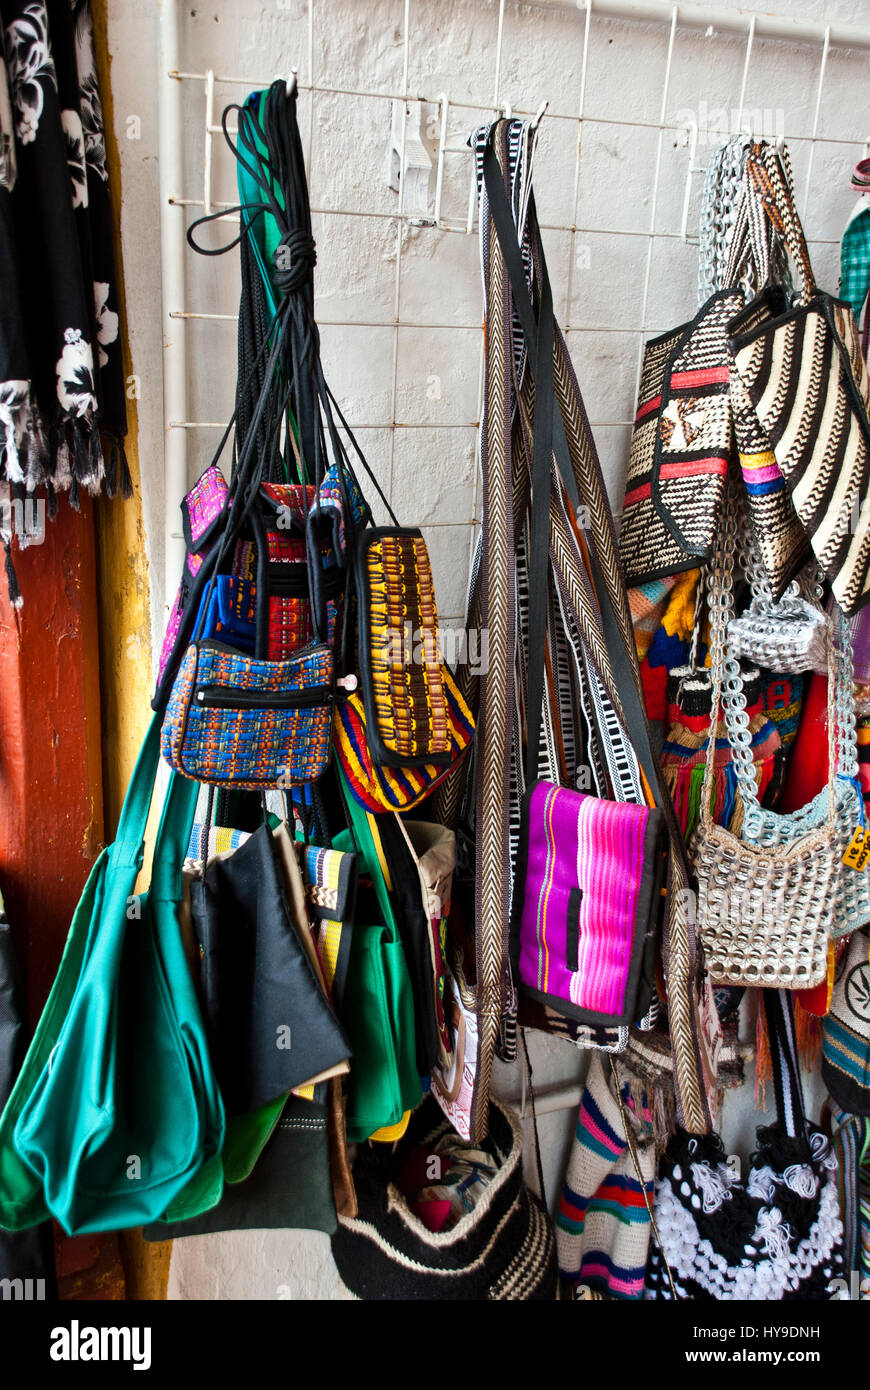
(24, 448)
(117, 468)
(16, 598)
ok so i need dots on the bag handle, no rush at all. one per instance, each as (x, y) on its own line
(540, 345)
(766, 171)
(727, 681)
(173, 838)
(756, 252)
(779, 1012)
(363, 827)
(129, 843)
(550, 439)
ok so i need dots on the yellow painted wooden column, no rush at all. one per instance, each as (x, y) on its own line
(125, 635)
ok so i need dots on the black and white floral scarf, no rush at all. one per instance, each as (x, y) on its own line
(61, 373)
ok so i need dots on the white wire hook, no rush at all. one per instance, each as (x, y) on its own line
(539, 116)
(291, 86)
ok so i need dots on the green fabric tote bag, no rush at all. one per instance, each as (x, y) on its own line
(124, 1109)
(22, 1203)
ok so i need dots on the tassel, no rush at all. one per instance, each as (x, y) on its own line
(95, 451)
(124, 470)
(36, 470)
(51, 500)
(729, 813)
(808, 1036)
(12, 469)
(16, 597)
(696, 787)
(79, 455)
(763, 1059)
(112, 468)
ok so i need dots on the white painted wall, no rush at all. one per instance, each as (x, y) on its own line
(430, 471)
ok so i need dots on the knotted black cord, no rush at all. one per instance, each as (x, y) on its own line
(287, 385)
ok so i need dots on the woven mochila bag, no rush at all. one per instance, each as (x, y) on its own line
(804, 372)
(765, 910)
(779, 1236)
(683, 434)
(502, 1248)
(680, 446)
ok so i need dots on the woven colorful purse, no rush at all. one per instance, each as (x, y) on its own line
(680, 446)
(202, 511)
(407, 721)
(386, 788)
(234, 721)
(586, 905)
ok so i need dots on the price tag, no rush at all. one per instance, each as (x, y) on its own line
(733, 1162)
(857, 855)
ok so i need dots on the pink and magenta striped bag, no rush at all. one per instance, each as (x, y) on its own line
(586, 904)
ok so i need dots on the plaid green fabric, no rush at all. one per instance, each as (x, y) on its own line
(855, 261)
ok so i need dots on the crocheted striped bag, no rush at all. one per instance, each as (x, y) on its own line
(804, 372)
(503, 1248)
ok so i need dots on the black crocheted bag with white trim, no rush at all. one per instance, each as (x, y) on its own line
(504, 1248)
(780, 1237)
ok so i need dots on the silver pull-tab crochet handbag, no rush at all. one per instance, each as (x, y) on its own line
(787, 635)
(850, 904)
(765, 906)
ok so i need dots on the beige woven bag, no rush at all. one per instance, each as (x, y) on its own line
(764, 911)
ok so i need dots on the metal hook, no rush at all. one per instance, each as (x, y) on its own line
(507, 110)
(540, 114)
(292, 83)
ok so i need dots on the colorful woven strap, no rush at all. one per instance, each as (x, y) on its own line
(587, 586)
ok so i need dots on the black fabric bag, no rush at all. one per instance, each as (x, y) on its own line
(503, 1249)
(257, 980)
(414, 932)
(290, 1187)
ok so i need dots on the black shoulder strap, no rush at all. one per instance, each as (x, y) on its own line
(779, 1012)
(549, 438)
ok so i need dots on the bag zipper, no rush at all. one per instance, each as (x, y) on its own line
(226, 697)
(295, 585)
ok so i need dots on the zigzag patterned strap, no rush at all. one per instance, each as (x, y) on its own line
(772, 180)
(599, 610)
(498, 616)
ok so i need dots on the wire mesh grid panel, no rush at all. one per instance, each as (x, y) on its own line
(633, 110)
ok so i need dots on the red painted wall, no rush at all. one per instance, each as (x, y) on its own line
(51, 800)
